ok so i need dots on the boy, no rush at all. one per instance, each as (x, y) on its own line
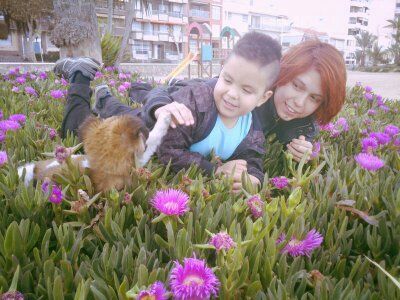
(223, 121)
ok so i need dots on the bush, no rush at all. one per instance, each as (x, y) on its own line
(113, 245)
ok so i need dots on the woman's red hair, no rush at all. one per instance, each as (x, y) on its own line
(329, 63)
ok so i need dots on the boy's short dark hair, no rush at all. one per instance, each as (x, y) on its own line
(258, 47)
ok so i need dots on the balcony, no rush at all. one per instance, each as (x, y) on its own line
(201, 2)
(267, 27)
(163, 16)
(178, 1)
(120, 8)
(199, 14)
(359, 3)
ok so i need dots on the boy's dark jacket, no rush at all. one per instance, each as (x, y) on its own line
(266, 114)
(175, 147)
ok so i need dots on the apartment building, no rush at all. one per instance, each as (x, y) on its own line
(241, 16)
(157, 33)
(397, 10)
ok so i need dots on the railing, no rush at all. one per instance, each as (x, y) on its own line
(199, 13)
(277, 28)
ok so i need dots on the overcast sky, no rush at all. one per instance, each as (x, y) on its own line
(323, 14)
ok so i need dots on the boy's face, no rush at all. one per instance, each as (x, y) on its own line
(241, 87)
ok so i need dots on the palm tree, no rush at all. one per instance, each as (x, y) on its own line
(376, 54)
(365, 41)
(395, 48)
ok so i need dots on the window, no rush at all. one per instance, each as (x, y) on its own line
(141, 47)
(352, 20)
(164, 28)
(255, 22)
(244, 18)
(148, 28)
(136, 26)
(229, 16)
(216, 12)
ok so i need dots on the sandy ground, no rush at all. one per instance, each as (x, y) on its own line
(386, 84)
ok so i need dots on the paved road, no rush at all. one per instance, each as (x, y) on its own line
(386, 84)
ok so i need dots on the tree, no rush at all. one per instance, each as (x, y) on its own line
(394, 49)
(76, 30)
(27, 16)
(365, 41)
(110, 7)
(376, 54)
(144, 4)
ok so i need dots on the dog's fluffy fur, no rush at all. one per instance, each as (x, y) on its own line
(112, 147)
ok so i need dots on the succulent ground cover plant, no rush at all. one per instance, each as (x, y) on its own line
(328, 229)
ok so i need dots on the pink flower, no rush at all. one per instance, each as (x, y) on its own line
(15, 89)
(194, 280)
(157, 291)
(126, 84)
(30, 91)
(20, 118)
(382, 138)
(52, 133)
(121, 89)
(384, 108)
(20, 80)
(98, 75)
(368, 89)
(61, 153)
(280, 182)
(369, 144)
(341, 124)
(3, 158)
(316, 150)
(369, 162)
(369, 96)
(111, 82)
(391, 130)
(56, 195)
(371, 112)
(221, 241)
(297, 247)
(64, 82)
(171, 202)
(56, 94)
(256, 206)
(43, 75)
(7, 125)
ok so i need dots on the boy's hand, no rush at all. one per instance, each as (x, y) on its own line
(181, 115)
(299, 147)
(237, 183)
(227, 168)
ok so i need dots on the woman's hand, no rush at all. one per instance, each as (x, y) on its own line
(237, 183)
(181, 115)
(300, 147)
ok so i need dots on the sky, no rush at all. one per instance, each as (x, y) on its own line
(327, 15)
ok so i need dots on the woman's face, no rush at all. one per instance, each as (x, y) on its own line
(300, 97)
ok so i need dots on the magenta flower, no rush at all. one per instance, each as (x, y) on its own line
(381, 138)
(32, 76)
(157, 291)
(15, 89)
(123, 76)
(30, 91)
(303, 247)
(3, 158)
(122, 89)
(369, 162)
(111, 82)
(61, 153)
(256, 206)
(52, 133)
(56, 195)
(384, 108)
(1, 115)
(369, 144)
(20, 79)
(221, 241)
(371, 112)
(13, 72)
(368, 89)
(56, 94)
(369, 96)
(391, 130)
(280, 182)
(327, 127)
(64, 82)
(316, 150)
(7, 125)
(171, 202)
(379, 97)
(98, 75)
(194, 280)
(13, 295)
(43, 75)
(126, 84)
(20, 118)
(341, 124)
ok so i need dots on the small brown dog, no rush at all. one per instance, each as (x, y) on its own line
(113, 146)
